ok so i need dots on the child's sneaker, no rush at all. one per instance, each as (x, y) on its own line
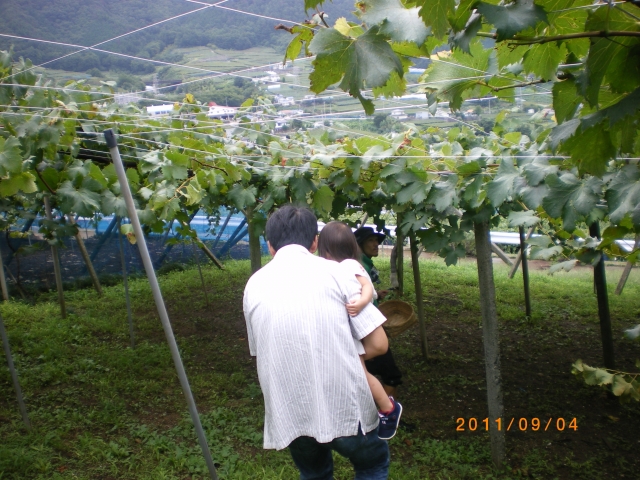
(389, 421)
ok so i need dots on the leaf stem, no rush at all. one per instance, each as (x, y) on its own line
(505, 87)
(523, 40)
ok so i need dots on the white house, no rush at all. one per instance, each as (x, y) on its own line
(156, 110)
(218, 111)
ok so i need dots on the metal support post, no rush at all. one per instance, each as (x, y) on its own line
(112, 144)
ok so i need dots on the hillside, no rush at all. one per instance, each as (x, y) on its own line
(88, 22)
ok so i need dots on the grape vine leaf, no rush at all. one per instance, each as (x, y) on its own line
(242, 197)
(501, 186)
(10, 156)
(565, 99)
(570, 198)
(399, 23)
(512, 18)
(543, 60)
(81, 201)
(303, 37)
(567, 266)
(460, 17)
(523, 219)
(623, 195)
(24, 181)
(463, 38)
(435, 14)
(363, 62)
(323, 200)
(591, 149)
(453, 78)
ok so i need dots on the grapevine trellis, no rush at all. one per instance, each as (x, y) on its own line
(441, 183)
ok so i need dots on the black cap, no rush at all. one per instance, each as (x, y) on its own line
(365, 232)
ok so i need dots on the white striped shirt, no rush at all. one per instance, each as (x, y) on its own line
(298, 328)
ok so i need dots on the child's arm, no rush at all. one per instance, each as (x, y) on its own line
(355, 306)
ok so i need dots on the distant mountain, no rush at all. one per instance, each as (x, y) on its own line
(88, 22)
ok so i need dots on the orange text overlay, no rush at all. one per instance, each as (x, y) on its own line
(521, 424)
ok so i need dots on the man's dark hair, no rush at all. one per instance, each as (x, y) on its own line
(291, 225)
(338, 243)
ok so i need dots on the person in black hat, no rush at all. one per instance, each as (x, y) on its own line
(383, 366)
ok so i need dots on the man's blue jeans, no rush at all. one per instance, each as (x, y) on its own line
(368, 454)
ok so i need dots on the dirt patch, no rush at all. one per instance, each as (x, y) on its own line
(537, 384)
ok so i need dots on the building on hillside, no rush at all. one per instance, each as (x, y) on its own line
(157, 110)
(218, 111)
(423, 115)
(399, 114)
(284, 101)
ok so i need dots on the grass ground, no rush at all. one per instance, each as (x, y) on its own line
(101, 410)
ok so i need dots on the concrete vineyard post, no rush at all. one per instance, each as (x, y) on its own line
(419, 300)
(600, 281)
(490, 340)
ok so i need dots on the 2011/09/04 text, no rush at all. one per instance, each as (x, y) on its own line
(523, 424)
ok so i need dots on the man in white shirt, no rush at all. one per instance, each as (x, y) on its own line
(316, 395)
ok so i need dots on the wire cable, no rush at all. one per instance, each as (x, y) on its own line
(82, 49)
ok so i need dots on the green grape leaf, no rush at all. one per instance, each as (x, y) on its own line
(461, 15)
(536, 171)
(323, 200)
(533, 196)
(132, 177)
(545, 253)
(310, 4)
(513, 18)
(591, 149)
(435, 14)
(81, 201)
(501, 186)
(463, 38)
(565, 99)
(565, 266)
(543, 60)
(395, 87)
(303, 37)
(10, 156)
(400, 24)
(453, 254)
(623, 193)
(570, 198)
(194, 192)
(456, 77)
(523, 219)
(112, 204)
(611, 234)
(415, 192)
(432, 239)
(242, 197)
(620, 386)
(23, 181)
(301, 186)
(443, 194)
(364, 62)
(469, 168)
(170, 209)
(563, 132)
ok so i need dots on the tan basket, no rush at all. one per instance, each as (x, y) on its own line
(400, 317)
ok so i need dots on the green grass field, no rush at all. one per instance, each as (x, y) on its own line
(101, 410)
